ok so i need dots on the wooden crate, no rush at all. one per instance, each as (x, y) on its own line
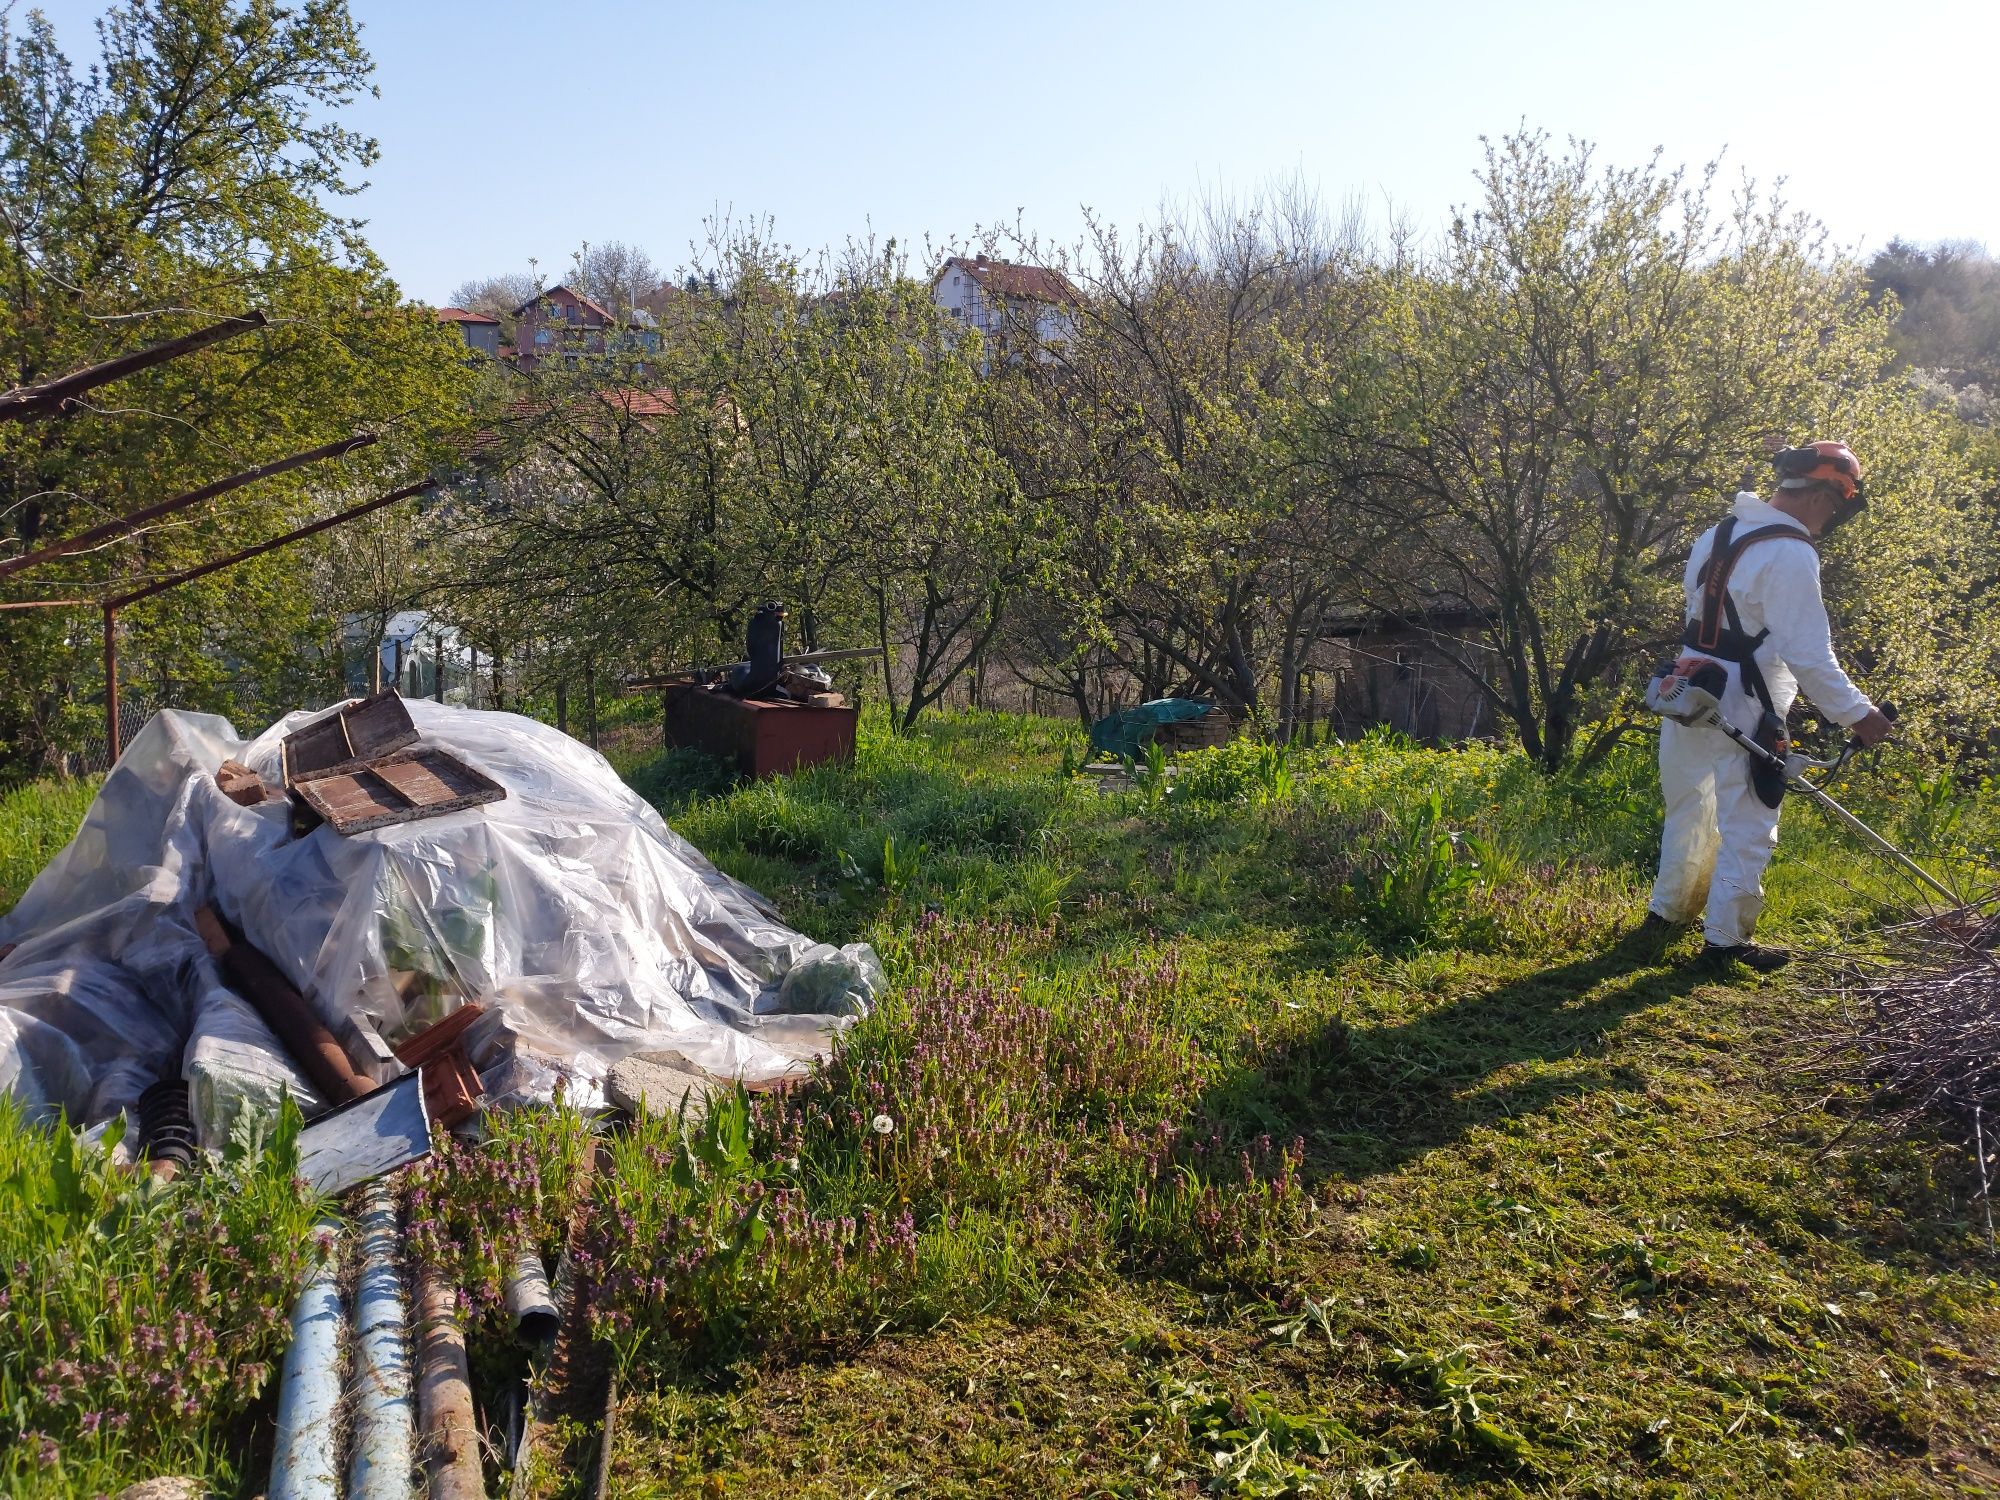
(351, 736)
(1213, 728)
(422, 782)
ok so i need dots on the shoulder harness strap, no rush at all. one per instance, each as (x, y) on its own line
(1706, 631)
(1723, 556)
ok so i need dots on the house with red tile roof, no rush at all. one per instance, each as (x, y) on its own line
(563, 324)
(1014, 306)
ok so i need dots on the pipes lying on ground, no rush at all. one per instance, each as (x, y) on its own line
(444, 1395)
(529, 1302)
(383, 1459)
(304, 1465)
(261, 982)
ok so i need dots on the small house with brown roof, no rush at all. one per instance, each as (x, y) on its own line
(1014, 306)
(481, 333)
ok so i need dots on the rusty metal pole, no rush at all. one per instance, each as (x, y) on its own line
(450, 1444)
(111, 724)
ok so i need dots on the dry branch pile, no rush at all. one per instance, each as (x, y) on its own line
(1928, 1023)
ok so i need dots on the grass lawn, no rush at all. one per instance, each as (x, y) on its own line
(1577, 1217)
(1304, 1124)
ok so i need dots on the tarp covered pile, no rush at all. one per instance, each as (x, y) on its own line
(585, 927)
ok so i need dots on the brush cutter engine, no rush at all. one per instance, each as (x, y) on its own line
(1690, 691)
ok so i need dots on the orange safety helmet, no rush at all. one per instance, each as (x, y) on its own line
(1819, 463)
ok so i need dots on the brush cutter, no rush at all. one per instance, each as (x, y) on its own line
(1694, 697)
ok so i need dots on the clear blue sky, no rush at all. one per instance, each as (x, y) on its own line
(512, 130)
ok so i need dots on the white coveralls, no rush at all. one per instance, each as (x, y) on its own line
(1719, 834)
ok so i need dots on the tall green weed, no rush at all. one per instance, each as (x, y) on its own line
(139, 1319)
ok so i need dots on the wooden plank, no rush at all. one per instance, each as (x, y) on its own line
(417, 783)
(319, 746)
(348, 738)
(379, 725)
(423, 782)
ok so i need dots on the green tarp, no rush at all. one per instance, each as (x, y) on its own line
(1130, 731)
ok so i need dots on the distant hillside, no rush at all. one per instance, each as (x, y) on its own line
(1949, 330)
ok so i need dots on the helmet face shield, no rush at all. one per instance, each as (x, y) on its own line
(1847, 509)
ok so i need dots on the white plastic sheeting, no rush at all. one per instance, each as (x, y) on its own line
(569, 910)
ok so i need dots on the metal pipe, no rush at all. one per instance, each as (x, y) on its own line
(174, 581)
(129, 525)
(304, 1465)
(444, 1395)
(50, 399)
(113, 730)
(383, 1461)
(310, 1041)
(607, 1435)
(1869, 836)
(529, 1302)
(802, 659)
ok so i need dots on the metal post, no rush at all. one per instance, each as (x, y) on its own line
(562, 706)
(590, 698)
(111, 725)
(437, 688)
(54, 398)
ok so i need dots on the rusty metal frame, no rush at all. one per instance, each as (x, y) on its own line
(111, 604)
(24, 403)
(128, 525)
(188, 575)
(53, 399)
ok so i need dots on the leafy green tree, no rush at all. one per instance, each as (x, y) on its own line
(1195, 552)
(189, 174)
(1569, 391)
(796, 436)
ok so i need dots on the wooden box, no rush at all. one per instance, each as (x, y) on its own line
(351, 736)
(421, 782)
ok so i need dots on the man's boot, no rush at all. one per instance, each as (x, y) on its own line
(1655, 934)
(1750, 955)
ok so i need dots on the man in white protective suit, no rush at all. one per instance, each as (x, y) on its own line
(1753, 604)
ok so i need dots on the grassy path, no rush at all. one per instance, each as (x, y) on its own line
(1581, 1220)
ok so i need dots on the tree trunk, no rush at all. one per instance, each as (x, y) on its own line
(888, 663)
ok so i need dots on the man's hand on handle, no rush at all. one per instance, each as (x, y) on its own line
(1874, 729)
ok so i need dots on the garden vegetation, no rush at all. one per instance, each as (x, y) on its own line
(1297, 1122)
